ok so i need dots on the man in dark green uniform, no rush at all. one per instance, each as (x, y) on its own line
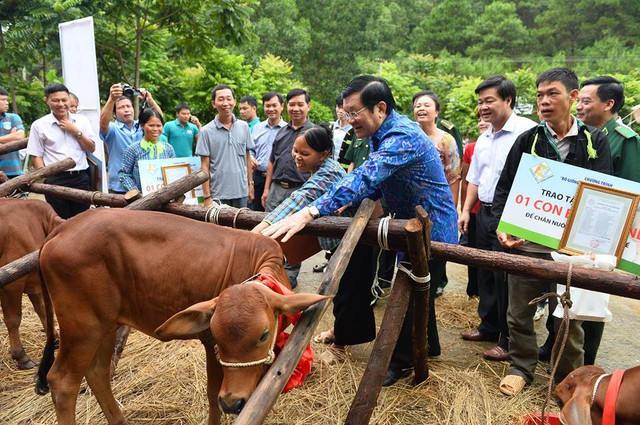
(449, 127)
(599, 101)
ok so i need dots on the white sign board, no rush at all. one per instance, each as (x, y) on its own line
(152, 178)
(540, 200)
(80, 73)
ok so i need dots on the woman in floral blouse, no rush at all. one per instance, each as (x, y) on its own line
(426, 108)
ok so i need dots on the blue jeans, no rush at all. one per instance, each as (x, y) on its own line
(236, 202)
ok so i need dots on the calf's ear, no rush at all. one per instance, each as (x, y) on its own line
(577, 411)
(189, 321)
(290, 304)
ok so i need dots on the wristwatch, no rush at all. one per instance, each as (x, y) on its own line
(78, 134)
(313, 211)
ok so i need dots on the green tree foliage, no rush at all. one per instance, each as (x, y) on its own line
(446, 27)
(180, 49)
(497, 31)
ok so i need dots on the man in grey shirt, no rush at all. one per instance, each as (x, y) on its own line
(223, 148)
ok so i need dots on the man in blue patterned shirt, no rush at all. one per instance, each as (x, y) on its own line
(404, 168)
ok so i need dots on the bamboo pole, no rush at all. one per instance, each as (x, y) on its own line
(417, 250)
(113, 200)
(370, 385)
(35, 175)
(13, 146)
(267, 392)
(615, 283)
(24, 265)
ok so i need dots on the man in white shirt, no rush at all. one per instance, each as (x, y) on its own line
(57, 136)
(496, 100)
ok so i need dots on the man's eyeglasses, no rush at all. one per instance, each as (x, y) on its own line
(351, 115)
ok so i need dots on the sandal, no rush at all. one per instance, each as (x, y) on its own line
(512, 385)
(326, 337)
(319, 268)
(332, 355)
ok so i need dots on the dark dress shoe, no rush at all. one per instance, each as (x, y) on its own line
(497, 354)
(394, 375)
(476, 335)
(544, 353)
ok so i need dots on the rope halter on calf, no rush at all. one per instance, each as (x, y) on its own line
(271, 355)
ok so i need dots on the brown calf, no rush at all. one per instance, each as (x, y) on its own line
(24, 225)
(580, 406)
(105, 269)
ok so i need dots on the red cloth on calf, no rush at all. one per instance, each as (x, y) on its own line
(304, 365)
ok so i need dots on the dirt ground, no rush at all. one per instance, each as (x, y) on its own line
(157, 391)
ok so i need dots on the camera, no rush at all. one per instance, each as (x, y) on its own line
(129, 91)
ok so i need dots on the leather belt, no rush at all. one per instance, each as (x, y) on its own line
(71, 173)
(288, 185)
(486, 205)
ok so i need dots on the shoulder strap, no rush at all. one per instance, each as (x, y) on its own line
(625, 131)
(446, 123)
(609, 413)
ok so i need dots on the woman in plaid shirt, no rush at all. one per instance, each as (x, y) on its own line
(354, 318)
(149, 147)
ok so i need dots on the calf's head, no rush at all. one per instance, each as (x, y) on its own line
(574, 395)
(244, 325)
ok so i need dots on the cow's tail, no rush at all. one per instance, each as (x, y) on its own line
(42, 386)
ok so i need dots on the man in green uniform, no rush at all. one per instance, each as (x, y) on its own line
(449, 127)
(599, 101)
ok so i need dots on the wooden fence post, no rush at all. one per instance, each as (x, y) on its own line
(267, 392)
(32, 176)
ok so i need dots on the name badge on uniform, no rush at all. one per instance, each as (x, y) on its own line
(6, 125)
(189, 131)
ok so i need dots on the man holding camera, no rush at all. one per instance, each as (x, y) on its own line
(125, 131)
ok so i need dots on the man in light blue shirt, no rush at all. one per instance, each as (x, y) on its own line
(11, 130)
(263, 135)
(125, 131)
(182, 133)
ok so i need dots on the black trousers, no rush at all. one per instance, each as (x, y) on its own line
(492, 286)
(354, 319)
(77, 180)
(402, 357)
(472, 273)
(258, 189)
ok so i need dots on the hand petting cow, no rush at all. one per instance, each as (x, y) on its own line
(136, 268)
(24, 225)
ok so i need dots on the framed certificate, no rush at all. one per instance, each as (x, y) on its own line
(171, 173)
(599, 221)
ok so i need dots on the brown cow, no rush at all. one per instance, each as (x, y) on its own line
(105, 269)
(24, 225)
(583, 403)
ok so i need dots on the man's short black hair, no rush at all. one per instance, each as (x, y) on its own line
(564, 75)
(608, 88)
(339, 100)
(3, 92)
(222, 87)
(270, 95)
(297, 92)
(251, 100)
(431, 94)
(372, 90)
(505, 88)
(55, 88)
(182, 105)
